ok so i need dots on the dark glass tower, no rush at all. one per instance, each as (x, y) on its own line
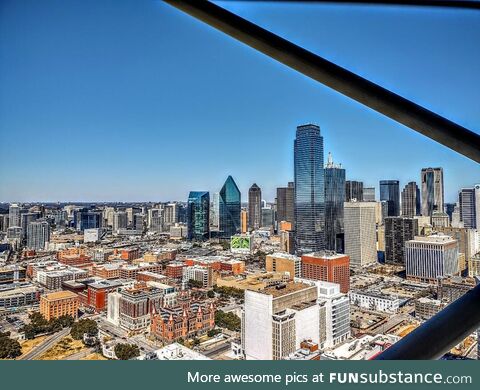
(390, 192)
(334, 200)
(230, 206)
(353, 190)
(309, 190)
(198, 215)
(254, 207)
(411, 200)
(398, 230)
(286, 203)
(87, 219)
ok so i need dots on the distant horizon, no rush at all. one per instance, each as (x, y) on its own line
(136, 100)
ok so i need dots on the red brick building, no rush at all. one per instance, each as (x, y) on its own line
(174, 270)
(328, 267)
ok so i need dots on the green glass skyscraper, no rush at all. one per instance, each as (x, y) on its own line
(230, 206)
(198, 215)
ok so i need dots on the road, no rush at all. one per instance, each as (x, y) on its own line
(217, 350)
(46, 345)
(80, 355)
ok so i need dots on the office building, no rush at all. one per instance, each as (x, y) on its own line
(230, 206)
(390, 193)
(428, 258)
(215, 210)
(360, 233)
(309, 189)
(38, 234)
(432, 190)
(398, 230)
(254, 207)
(328, 267)
(87, 219)
(14, 212)
(334, 200)
(136, 306)
(353, 191)
(369, 194)
(120, 221)
(286, 203)
(277, 319)
(268, 217)
(244, 221)
(198, 215)
(284, 262)
(58, 304)
(440, 219)
(411, 200)
(467, 203)
(203, 275)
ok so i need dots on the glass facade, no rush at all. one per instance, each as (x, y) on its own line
(230, 206)
(309, 189)
(198, 215)
(432, 190)
(87, 219)
(334, 200)
(390, 193)
(254, 207)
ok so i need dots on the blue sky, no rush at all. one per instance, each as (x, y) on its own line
(133, 100)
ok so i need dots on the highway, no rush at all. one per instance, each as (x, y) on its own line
(45, 345)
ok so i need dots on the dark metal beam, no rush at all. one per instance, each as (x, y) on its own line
(441, 333)
(412, 115)
(467, 4)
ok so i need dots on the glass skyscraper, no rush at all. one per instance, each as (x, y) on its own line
(230, 206)
(334, 200)
(432, 190)
(390, 192)
(309, 190)
(198, 215)
(254, 207)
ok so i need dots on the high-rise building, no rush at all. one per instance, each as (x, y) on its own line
(254, 207)
(171, 214)
(390, 192)
(244, 221)
(286, 203)
(432, 190)
(268, 217)
(38, 234)
(87, 219)
(398, 230)
(353, 191)
(411, 200)
(120, 220)
(467, 203)
(198, 215)
(284, 262)
(334, 200)
(309, 190)
(360, 233)
(230, 206)
(215, 210)
(156, 220)
(275, 321)
(477, 206)
(14, 215)
(138, 222)
(428, 258)
(449, 208)
(328, 267)
(369, 194)
(26, 219)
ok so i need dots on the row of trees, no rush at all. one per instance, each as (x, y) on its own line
(9, 348)
(126, 351)
(228, 320)
(38, 325)
(82, 327)
(226, 292)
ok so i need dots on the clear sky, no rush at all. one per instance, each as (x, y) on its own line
(132, 100)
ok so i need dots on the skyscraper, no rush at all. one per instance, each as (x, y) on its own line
(309, 189)
(38, 234)
(198, 215)
(432, 190)
(87, 219)
(390, 192)
(14, 215)
(369, 194)
(120, 221)
(360, 233)
(215, 212)
(467, 202)
(286, 203)
(254, 207)
(353, 191)
(334, 200)
(398, 230)
(411, 200)
(230, 206)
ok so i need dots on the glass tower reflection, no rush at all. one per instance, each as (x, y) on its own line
(198, 215)
(230, 206)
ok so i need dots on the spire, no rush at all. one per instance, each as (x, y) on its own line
(330, 159)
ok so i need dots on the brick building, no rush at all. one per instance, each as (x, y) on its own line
(328, 267)
(58, 304)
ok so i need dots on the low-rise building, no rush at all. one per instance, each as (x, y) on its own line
(57, 304)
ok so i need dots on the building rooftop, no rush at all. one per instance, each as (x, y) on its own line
(327, 255)
(55, 296)
(284, 289)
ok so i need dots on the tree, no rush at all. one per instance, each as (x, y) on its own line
(228, 320)
(211, 294)
(86, 326)
(213, 332)
(126, 351)
(192, 283)
(9, 348)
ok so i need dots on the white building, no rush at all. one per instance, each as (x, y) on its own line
(38, 234)
(375, 301)
(173, 351)
(360, 233)
(91, 235)
(277, 319)
(431, 257)
(113, 308)
(198, 273)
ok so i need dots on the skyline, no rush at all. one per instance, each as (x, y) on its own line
(106, 119)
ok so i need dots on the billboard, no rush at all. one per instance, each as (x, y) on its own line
(241, 244)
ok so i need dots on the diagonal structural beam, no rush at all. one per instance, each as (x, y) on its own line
(410, 114)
